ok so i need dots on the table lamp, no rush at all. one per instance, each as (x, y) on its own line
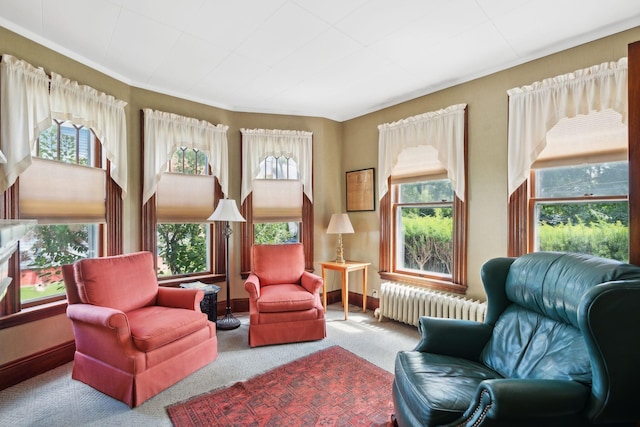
(339, 224)
(227, 211)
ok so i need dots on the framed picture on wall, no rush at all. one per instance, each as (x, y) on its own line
(360, 190)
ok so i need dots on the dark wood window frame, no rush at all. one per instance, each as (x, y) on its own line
(12, 311)
(634, 152)
(246, 237)
(149, 238)
(458, 282)
(518, 213)
(533, 200)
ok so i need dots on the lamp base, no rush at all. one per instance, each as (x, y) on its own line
(227, 322)
(339, 251)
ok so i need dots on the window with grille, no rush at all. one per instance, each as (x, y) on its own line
(65, 190)
(277, 202)
(184, 200)
(276, 190)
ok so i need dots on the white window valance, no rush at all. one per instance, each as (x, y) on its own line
(104, 114)
(24, 113)
(442, 130)
(257, 144)
(535, 109)
(25, 95)
(165, 132)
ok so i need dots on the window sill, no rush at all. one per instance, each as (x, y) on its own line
(178, 280)
(431, 283)
(32, 314)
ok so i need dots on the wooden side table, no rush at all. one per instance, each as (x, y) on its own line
(345, 269)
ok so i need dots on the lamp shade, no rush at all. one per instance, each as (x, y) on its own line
(340, 224)
(226, 211)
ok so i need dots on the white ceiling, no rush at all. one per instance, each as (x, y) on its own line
(337, 59)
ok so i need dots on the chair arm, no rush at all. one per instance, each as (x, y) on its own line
(512, 400)
(311, 282)
(252, 286)
(453, 337)
(104, 334)
(98, 316)
(608, 316)
(180, 298)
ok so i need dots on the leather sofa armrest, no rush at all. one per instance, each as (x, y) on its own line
(180, 298)
(311, 282)
(453, 337)
(604, 316)
(105, 317)
(512, 400)
(252, 286)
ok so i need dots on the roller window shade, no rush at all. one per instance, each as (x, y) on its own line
(276, 200)
(594, 138)
(56, 192)
(183, 198)
(418, 164)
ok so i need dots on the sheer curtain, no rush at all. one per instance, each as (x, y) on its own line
(257, 144)
(535, 109)
(24, 113)
(442, 130)
(104, 114)
(165, 132)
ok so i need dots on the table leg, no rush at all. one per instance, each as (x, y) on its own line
(364, 289)
(324, 289)
(345, 293)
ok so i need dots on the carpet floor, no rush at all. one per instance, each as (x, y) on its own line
(53, 399)
(354, 392)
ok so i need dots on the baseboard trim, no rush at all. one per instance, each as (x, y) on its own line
(354, 299)
(19, 370)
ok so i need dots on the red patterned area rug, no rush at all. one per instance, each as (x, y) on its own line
(332, 387)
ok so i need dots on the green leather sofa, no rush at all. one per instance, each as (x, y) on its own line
(560, 346)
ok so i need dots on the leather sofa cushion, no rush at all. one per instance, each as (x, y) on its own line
(283, 298)
(122, 282)
(437, 388)
(525, 344)
(155, 326)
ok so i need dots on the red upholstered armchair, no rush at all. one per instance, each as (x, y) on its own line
(133, 337)
(284, 298)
